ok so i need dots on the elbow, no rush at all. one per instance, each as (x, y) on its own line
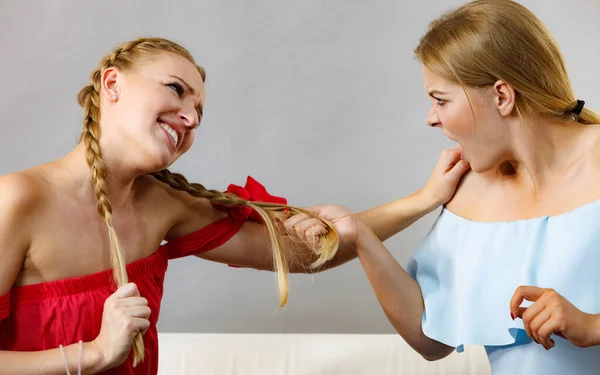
(431, 350)
(432, 357)
(436, 355)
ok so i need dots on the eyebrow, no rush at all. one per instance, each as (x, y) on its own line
(436, 92)
(192, 91)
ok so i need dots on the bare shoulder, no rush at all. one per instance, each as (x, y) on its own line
(22, 192)
(471, 192)
(167, 197)
(22, 195)
(186, 213)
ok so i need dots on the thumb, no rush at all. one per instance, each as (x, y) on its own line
(458, 170)
(127, 290)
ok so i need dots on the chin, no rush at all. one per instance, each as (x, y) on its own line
(155, 163)
(478, 169)
(481, 167)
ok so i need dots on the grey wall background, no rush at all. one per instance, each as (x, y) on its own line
(320, 100)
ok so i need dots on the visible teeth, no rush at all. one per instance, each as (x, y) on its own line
(171, 132)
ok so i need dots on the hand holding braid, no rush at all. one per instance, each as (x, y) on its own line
(270, 210)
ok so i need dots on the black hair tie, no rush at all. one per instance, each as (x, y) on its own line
(579, 107)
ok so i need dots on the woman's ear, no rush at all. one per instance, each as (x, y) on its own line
(504, 98)
(109, 84)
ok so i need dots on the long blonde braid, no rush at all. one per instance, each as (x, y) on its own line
(269, 212)
(124, 58)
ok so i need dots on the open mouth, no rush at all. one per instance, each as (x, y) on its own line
(170, 131)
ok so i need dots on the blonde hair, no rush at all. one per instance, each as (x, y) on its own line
(125, 57)
(489, 40)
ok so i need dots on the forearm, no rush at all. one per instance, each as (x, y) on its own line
(595, 329)
(303, 257)
(50, 362)
(390, 218)
(385, 221)
(398, 294)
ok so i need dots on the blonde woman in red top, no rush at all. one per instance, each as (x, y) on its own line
(81, 277)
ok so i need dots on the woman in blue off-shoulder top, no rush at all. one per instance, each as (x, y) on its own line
(513, 261)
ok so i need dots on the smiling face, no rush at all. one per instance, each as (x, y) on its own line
(149, 113)
(479, 122)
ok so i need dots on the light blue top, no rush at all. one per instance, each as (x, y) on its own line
(468, 272)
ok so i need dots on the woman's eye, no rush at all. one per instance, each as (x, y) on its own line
(176, 87)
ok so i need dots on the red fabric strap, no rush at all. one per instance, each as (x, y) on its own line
(205, 239)
(4, 306)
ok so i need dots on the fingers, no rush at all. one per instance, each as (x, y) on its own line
(456, 172)
(127, 290)
(528, 316)
(313, 235)
(451, 165)
(290, 223)
(306, 229)
(136, 319)
(449, 157)
(542, 318)
(138, 311)
(542, 327)
(316, 230)
(133, 301)
(141, 325)
(533, 318)
(529, 293)
(519, 314)
(133, 309)
(453, 155)
(528, 313)
(302, 227)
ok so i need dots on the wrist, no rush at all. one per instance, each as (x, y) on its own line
(93, 360)
(595, 329)
(364, 237)
(426, 201)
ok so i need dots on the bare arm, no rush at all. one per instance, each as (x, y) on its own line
(49, 362)
(251, 247)
(398, 294)
(391, 218)
(388, 219)
(17, 205)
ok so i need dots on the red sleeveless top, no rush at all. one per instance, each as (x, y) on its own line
(43, 316)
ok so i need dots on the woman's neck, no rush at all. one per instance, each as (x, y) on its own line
(119, 181)
(545, 152)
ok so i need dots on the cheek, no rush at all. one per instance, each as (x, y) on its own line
(150, 99)
(138, 110)
(188, 142)
(459, 122)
